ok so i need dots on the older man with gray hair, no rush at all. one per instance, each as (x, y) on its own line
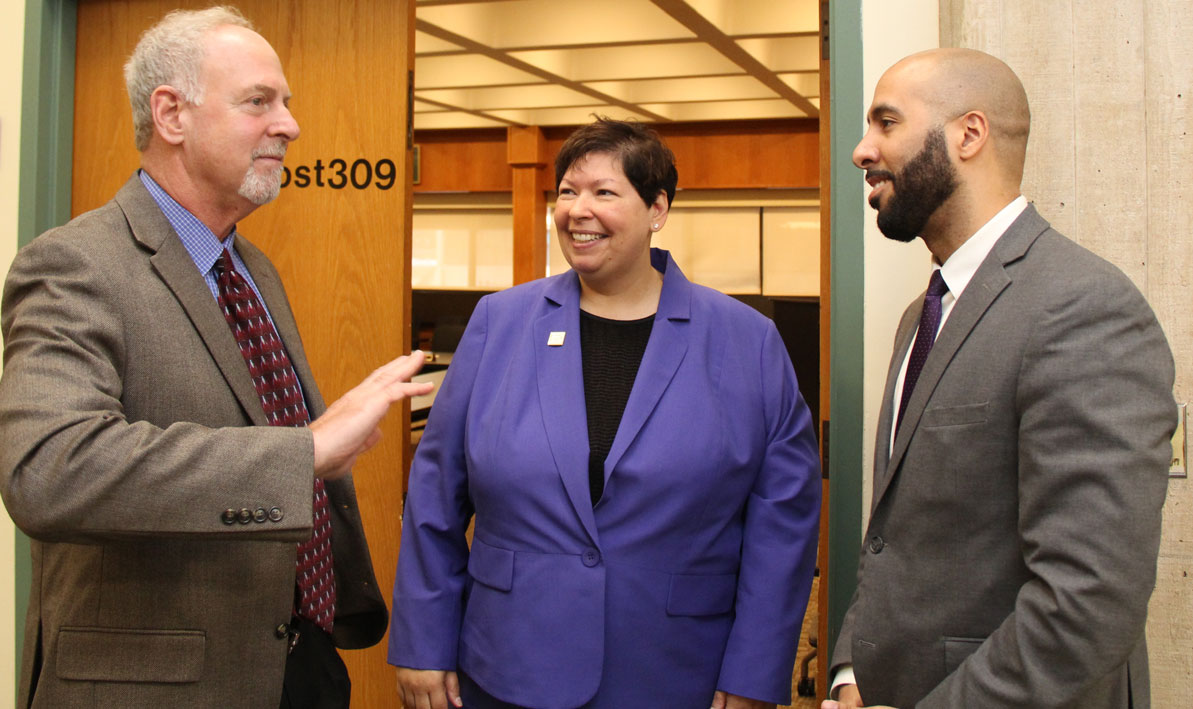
(196, 538)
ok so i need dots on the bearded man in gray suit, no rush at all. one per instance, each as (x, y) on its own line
(145, 450)
(1023, 440)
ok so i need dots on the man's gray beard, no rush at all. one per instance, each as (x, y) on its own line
(261, 189)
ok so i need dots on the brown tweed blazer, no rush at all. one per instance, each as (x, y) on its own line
(129, 425)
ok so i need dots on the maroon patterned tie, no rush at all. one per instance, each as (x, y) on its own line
(924, 338)
(277, 385)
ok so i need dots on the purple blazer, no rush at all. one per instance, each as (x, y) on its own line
(691, 574)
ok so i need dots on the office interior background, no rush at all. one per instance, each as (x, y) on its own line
(1109, 83)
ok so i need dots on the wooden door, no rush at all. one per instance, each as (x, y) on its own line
(343, 247)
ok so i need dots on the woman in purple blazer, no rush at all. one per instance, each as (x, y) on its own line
(641, 468)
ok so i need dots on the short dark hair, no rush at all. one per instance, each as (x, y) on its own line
(646, 161)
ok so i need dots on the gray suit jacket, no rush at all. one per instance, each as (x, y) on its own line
(1014, 527)
(130, 424)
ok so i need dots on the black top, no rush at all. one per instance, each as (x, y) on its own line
(612, 352)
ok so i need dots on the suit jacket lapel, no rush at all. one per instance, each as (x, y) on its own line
(989, 281)
(664, 352)
(172, 262)
(561, 392)
(882, 444)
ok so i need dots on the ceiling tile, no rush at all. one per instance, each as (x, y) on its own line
(786, 53)
(452, 119)
(426, 44)
(482, 99)
(744, 17)
(805, 84)
(545, 23)
(458, 70)
(632, 51)
(424, 107)
(631, 62)
(696, 89)
(726, 110)
(567, 116)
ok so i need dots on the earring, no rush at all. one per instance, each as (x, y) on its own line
(654, 227)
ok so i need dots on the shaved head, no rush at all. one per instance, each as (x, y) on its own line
(953, 82)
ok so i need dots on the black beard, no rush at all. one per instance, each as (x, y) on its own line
(925, 183)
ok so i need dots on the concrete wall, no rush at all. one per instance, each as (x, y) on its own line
(12, 34)
(1110, 84)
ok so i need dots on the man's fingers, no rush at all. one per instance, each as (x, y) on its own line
(349, 427)
(400, 368)
(408, 389)
(394, 377)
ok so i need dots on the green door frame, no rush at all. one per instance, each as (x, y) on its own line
(47, 116)
(47, 121)
(846, 346)
(47, 125)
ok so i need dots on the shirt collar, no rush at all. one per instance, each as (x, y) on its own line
(201, 243)
(960, 268)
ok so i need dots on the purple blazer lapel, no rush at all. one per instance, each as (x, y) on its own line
(561, 392)
(664, 352)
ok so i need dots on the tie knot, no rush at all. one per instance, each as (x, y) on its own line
(936, 285)
(224, 264)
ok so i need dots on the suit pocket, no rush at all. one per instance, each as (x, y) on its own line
(957, 649)
(954, 415)
(492, 566)
(701, 594)
(121, 655)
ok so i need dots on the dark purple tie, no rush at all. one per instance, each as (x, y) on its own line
(924, 337)
(277, 385)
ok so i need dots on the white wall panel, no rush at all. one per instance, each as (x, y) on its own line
(462, 249)
(791, 248)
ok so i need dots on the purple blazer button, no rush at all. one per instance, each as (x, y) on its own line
(590, 557)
